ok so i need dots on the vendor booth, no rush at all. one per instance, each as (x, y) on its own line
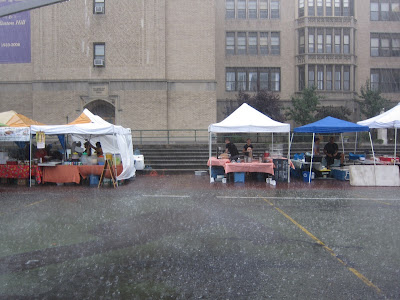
(15, 128)
(115, 140)
(330, 125)
(246, 119)
(389, 119)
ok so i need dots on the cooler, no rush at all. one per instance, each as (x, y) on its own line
(139, 162)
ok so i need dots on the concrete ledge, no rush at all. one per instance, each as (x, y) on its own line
(369, 175)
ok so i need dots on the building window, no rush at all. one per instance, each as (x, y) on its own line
(328, 41)
(375, 80)
(396, 46)
(99, 7)
(301, 42)
(338, 78)
(264, 79)
(252, 42)
(346, 8)
(320, 8)
(274, 9)
(320, 40)
(346, 41)
(253, 79)
(302, 78)
(275, 43)
(346, 78)
(328, 78)
(385, 80)
(311, 76)
(328, 8)
(275, 80)
(374, 46)
(264, 43)
(311, 40)
(241, 6)
(241, 41)
(263, 9)
(99, 54)
(385, 10)
(385, 44)
(230, 81)
(320, 77)
(337, 8)
(252, 8)
(230, 43)
(311, 10)
(242, 81)
(301, 8)
(337, 40)
(374, 11)
(230, 9)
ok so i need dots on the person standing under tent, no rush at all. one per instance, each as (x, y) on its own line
(231, 148)
(248, 148)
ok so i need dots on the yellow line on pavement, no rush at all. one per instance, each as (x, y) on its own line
(354, 271)
(27, 205)
(34, 203)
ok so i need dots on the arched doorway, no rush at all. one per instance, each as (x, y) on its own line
(102, 109)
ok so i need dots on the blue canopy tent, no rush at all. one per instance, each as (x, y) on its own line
(331, 125)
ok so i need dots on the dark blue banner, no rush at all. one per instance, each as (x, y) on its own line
(15, 36)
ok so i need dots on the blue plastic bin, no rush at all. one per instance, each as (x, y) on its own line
(306, 176)
(217, 171)
(94, 180)
(238, 177)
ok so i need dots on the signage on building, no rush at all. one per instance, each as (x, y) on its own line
(98, 91)
(15, 36)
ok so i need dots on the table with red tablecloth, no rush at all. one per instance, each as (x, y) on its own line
(73, 174)
(252, 167)
(20, 172)
(217, 162)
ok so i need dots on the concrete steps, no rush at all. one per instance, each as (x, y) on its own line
(186, 158)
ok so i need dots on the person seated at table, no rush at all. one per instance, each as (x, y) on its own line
(40, 154)
(331, 150)
(316, 146)
(231, 148)
(248, 148)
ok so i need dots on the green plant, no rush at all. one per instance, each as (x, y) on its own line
(304, 106)
(373, 103)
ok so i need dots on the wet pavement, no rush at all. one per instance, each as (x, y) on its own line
(180, 237)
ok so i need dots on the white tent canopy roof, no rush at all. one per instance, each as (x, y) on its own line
(113, 139)
(247, 119)
(388, 119)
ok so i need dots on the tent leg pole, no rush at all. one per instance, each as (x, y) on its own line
(115, 162)
(373, 153)
(272, 137)
(288, 157)
(312, 157)
(355, 144)
(30, 157)
(209, 152)
(395, 146)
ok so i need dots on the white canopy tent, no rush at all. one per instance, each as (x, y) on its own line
(388, 119)
(113, 138)
(246, 119)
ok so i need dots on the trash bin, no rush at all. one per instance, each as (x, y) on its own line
(306, 176)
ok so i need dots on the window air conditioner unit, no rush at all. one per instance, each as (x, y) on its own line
(98, 62)
(99, 9)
